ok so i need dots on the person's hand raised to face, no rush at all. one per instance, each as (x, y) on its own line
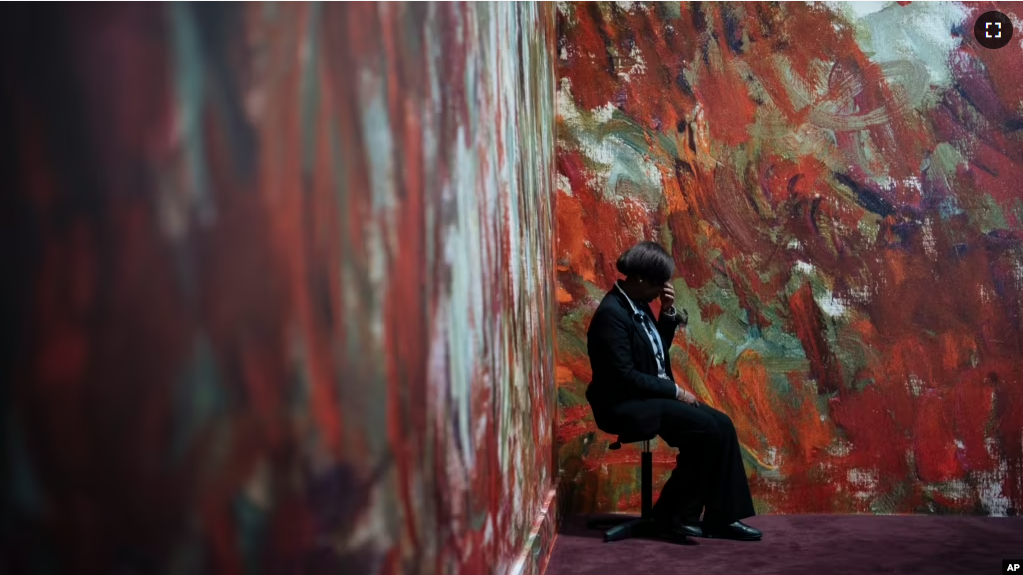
(668, 300)
(667, 295)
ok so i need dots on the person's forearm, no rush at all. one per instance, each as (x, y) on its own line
(660, 387)
(671, 317)
(668, 323)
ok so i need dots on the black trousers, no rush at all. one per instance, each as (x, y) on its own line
(708, 474)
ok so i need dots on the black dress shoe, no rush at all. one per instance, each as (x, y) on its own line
(688, 529)
(672, 528)
(737, 531)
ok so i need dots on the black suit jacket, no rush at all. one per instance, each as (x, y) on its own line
(624, 366)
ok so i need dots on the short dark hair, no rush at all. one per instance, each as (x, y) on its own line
(648, 260)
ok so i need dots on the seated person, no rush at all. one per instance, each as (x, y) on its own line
(633, 391)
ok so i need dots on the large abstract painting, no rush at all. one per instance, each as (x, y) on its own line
(278, 288)
(839, 184)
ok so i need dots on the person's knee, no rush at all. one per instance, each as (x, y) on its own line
(714, 429)
(716, 432)
(727, 426)
(724, 423)
(719, 432)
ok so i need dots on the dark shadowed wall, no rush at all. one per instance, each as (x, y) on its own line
(277, 287)
(840, 187)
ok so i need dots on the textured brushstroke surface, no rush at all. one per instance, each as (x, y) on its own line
(839, 186)
(278, 286)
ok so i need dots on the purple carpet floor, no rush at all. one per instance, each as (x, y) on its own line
(806, 545)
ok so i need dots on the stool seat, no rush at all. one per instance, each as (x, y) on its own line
(626, 438)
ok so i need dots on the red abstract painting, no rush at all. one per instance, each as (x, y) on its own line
(278, 287)
(839, 184)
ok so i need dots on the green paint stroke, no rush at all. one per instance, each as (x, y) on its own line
(190, 93)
